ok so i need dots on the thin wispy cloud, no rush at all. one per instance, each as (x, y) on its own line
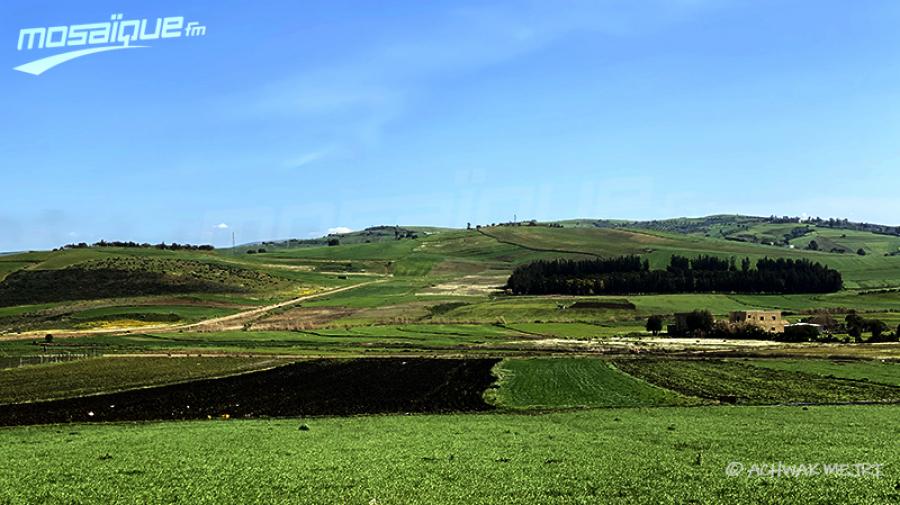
(353, 99)
(308, 158)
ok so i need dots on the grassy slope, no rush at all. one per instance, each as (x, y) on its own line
(9, 266)
(647, 456)
(828, 238)
(503, 247)
(95, 375)
(859, 272)
(574, 382)
(279, 284)
(456, 255)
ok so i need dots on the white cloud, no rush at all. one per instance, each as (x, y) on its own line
(339, 230)
(221, 226)
(308, 158)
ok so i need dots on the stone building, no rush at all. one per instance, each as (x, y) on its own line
(768, 320)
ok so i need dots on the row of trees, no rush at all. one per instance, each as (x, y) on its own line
(704, 274)
(878, 330)
(846, 224)
(814, 246)
(529, 222)
(701, 323)
(842, 223)
(174, 246)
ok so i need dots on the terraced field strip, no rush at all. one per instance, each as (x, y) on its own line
(107, 374)
(739, 382)
(575, 382)
(882, 372)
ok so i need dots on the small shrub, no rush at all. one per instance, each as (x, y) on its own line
(654, 324)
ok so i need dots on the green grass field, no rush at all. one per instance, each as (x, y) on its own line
(648, 456)
(574, 382)
(361, 340)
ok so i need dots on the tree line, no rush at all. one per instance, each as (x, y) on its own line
(174, 246)
(703, 274)
(823, 328)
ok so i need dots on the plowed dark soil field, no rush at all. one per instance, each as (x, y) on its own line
(322, 387)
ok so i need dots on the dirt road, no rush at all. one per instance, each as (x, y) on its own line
(229, 322)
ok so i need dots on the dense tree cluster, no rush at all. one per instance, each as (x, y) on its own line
(162, 245)
(856, 325)
(704, 274)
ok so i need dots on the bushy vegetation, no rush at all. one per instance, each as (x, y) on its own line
(130, 276)
(703, 274)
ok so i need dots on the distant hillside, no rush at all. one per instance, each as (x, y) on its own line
(725, 225)
(773, 230)
(865, 259)
(373, 234)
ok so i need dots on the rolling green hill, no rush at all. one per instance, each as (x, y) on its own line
(130, 276)
(429, 275)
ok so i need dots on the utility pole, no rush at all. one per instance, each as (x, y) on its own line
(233, 251)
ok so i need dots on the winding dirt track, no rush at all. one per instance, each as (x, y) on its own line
(229, 322)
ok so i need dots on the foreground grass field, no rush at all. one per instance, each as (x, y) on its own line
(652, 456)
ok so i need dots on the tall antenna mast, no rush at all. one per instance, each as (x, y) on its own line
(233, 251)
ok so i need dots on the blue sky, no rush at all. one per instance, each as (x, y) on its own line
(292, 118)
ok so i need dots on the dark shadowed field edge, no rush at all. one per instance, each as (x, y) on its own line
(322, 387)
